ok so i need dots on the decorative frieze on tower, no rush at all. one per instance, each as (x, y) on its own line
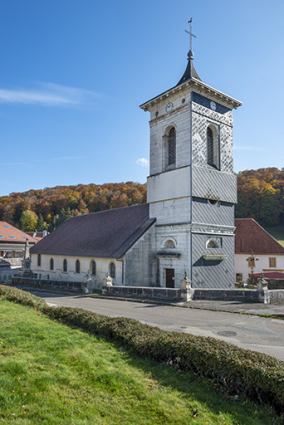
(192, 186)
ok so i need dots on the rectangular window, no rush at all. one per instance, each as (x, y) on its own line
(272, 262)
(251, 262)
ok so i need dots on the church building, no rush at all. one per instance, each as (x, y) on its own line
(187, 224)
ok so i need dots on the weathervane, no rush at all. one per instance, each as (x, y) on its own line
(190, 34)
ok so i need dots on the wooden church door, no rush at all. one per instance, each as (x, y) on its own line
(170, 278)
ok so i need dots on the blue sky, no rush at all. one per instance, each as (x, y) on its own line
(73, 74)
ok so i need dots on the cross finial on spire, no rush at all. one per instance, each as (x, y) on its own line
(190, 35)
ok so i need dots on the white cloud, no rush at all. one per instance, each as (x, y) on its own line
(48, 94)
(142, 161)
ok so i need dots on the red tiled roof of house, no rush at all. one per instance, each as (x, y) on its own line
(250, 236)
(104, 234)
(9, 233)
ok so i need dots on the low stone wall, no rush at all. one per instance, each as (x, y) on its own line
(177, 294)
(276, 296)
(6, 275)
(77, 287)
(143, 292)
(243, 295)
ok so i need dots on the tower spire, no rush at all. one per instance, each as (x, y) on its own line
(190, 71)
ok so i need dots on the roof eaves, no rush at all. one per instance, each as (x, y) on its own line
(197, 83)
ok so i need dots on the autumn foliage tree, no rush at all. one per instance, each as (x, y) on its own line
(261, 196)
(50, 207)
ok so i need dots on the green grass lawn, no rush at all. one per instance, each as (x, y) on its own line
(277, 232)
(53, 374)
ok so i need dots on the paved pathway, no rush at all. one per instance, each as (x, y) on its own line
(246, 331)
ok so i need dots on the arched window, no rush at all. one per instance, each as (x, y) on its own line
(39, 260)
(170, 244)
(112, 270)
(210, 147)
(214, 242)
(93, 268)
(77, 266)
(51, 266)
(65, 265)
(213, 147)
(172, 146)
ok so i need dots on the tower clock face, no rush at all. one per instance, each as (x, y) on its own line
(213, 105)
(169, 107)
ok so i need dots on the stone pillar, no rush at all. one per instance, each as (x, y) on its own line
(263, 293)
(89, 283)
(107, 283)
(186, 289)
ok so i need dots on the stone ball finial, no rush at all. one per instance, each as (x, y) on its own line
(190, 55)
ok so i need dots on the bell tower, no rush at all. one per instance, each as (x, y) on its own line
(192, 186)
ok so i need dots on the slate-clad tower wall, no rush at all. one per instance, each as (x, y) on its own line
(192, 187)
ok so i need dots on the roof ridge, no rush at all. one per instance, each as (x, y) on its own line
(110, 209)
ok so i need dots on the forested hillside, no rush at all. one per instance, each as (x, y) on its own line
(48, 208)
(260, 196)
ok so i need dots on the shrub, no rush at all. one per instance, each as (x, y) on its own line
(21, 297)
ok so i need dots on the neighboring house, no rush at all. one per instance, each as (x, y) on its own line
(38, 235)
(12, 243)
(250, 238)
(188, 223)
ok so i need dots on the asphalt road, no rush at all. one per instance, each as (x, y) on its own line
(250, 332)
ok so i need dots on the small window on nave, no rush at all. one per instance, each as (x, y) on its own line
(77, 267)
(51, 266)
(112, 270)
(39, 260)
(65, 265)
(93, 268)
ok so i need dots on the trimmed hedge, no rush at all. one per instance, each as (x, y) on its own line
(21, 297)
(257, 376)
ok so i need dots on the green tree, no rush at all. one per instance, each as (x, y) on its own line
(28, 221)
(63, 216)
(41, 225)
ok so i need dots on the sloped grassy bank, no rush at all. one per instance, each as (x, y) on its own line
(257, 376)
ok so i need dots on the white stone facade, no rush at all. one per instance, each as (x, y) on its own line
(102, 268)
(180, 236)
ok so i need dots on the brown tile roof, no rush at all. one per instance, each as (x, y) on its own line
(9, 233)
(250, 236)
(105, 234)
